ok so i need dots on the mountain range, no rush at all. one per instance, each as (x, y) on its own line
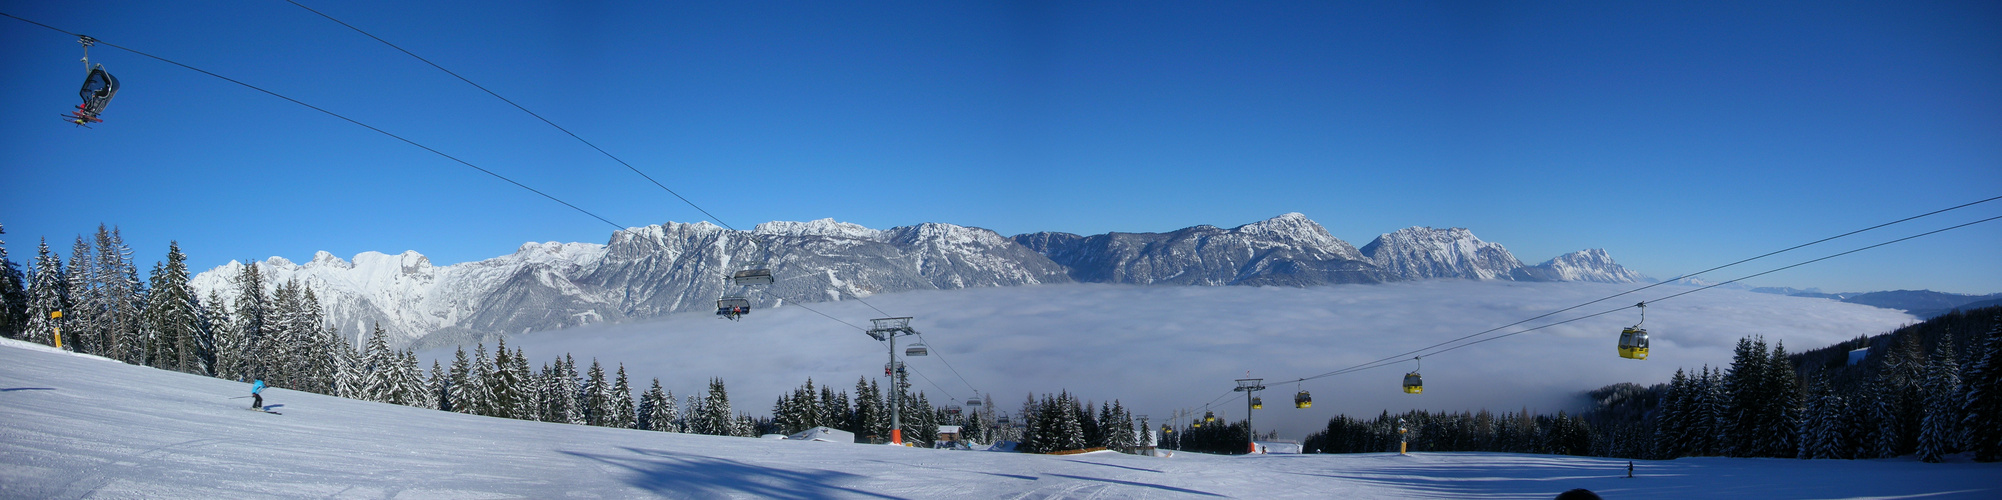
(655, 270)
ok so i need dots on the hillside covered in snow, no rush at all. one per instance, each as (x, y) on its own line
(650, 271)
(85, 427)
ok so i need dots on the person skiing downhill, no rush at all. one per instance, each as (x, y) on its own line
(257, 400)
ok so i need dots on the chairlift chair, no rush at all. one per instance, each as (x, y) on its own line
(918, 349)
(753, 273)
(733, 307)
(951, 410)
(973, 401)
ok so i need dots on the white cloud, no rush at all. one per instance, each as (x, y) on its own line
(1160, 348)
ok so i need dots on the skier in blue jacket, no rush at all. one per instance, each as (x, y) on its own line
(257, 400)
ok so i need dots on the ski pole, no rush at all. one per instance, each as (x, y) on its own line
(240, 397)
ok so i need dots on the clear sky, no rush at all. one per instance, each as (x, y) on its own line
(1675, 136)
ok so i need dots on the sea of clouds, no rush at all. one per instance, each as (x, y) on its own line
(1159, 349)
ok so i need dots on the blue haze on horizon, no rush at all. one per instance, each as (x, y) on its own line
(1675, 136)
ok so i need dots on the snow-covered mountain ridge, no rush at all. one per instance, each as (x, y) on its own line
(649, 271)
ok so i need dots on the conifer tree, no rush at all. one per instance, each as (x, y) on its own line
(1744, 399)
(871, 419)
(572, 386)
(658, 412)
(48, 293)
(505, 385)
(1939, 431)
(462, 379)
(82, 322)
(623, 414)
(377, 380)
(597, 397)
(1981, 399)
(172, 318)
(13, 295)
(439, 388)
(122, 295)
(1781, 421)
(716, 416)
(252, 314)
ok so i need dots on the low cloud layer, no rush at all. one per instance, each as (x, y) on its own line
(1158, 349)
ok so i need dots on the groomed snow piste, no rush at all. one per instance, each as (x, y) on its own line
(75, 426)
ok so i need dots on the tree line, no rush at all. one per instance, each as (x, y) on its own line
(1909, 392)
(278, 333)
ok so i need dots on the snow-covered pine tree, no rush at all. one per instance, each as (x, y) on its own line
(508, 390)
(597, 400)
(834, 409)
(377, 382)
(479, 382)
(1981, 399)
(224, 342)
(870, 417)
(1939, 432)
(717, 418)
(252, 314)
(529, 406)
(13, 295)
(439, 388)
(552, 402)
(657, 411)
(692, 422)
(48, 292)
(413, 391)
(461, 382)
(81, 322)
(572, 386)
(1068, 431)
(123, 297)
(624, 416)
(171, 320)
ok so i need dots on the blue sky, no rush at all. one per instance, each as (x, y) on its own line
(1675, 136)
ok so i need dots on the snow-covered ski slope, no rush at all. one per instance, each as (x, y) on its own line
(84, 427)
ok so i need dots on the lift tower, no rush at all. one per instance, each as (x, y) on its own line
(1250, 388)
(887, 329)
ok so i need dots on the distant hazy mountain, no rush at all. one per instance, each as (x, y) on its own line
(654, 270)
(1921, 303)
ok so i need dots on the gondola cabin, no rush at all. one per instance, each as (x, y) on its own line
(1257, 403)
(1633, 343)
(1413, 384)
(1209, 416)
(1303, 400)
(733, 307)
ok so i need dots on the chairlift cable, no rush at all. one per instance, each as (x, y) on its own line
(608, 154)
(330, 113)
(523, 109)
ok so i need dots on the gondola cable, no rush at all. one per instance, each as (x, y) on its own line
(1373, 365)
(330, 113)
(1400, 356)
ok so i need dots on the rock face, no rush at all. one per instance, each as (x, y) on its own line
(661, 269)
(1417, 253)
(1583, 265)
(1288, 250)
